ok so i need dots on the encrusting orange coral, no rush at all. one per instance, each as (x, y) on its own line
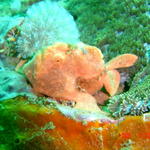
(49, 128)
(76, 73)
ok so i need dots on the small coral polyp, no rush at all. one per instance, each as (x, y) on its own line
(75, 73)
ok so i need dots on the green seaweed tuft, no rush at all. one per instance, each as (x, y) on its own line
(116, 27)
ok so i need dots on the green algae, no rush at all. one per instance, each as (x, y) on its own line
(133, 102)
(141, 76)
(127, 145)
(16, 132)
(14, 7)
(113, 26)
(49, 126)
(116, 27)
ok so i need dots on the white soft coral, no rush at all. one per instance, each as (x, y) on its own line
(46, 23)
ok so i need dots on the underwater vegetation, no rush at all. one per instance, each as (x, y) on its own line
(116, 27)
(64, 88)
(14, 7)
(9, 33)
(136, 101)
(28, 124)
(147, 46)
(12, 84)
(45, 23)
(141, 76)
(7, 23)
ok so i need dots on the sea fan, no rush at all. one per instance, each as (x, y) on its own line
(46, 23)
(134, 102)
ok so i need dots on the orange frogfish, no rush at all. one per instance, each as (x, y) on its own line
(75, 73)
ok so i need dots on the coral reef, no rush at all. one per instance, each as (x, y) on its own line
(44, 27)
(116, 27)
(27, 125)
(9, 62)
(147, 47)
(7, 24)
(1, 66)
(134, 102)
(12, 85)
(40, 47)
(14, 7)
(75, 73)
(141, 75)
